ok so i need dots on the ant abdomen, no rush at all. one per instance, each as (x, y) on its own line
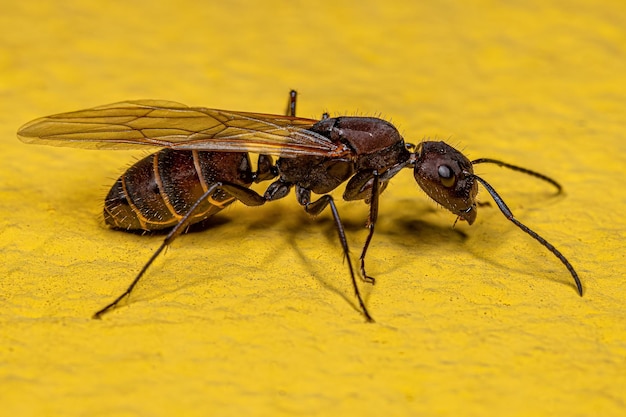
(157, 191)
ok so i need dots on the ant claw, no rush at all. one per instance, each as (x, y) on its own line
(367, 278)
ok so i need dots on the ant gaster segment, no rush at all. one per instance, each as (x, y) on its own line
(204, 165)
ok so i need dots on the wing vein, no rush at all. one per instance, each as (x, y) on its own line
(155, 123)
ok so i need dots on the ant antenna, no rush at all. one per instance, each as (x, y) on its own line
(509, 215)
(520, 169)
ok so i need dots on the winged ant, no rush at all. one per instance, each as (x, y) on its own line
(204, 165)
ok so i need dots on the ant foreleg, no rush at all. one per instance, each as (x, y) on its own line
(371, 222)
(367, 186)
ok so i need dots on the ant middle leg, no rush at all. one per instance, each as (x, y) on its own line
(316, 207)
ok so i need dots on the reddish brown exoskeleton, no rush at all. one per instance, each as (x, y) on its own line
(205, 165)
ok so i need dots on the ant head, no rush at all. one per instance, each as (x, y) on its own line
(446, 175)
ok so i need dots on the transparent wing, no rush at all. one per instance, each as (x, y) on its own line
(158, 123)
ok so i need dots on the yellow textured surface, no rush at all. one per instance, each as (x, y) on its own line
(256, 315)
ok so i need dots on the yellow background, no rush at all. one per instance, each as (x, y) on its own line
(256, 315)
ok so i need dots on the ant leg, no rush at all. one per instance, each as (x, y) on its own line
(316, 207)
(291, 107)
(243, 194)
(371, 222)
(266, 170)
(366, 186)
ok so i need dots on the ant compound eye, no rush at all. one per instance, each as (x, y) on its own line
(446, 175)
